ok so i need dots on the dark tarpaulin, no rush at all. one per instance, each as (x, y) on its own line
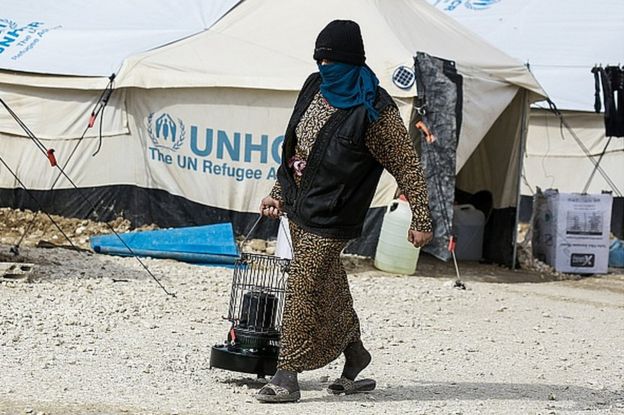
(145, 206)
(440, 89)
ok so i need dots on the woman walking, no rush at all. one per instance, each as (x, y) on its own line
(343, 132)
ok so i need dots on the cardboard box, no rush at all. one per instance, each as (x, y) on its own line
(571, 231)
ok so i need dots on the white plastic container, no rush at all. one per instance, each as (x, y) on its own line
(394, 252)
(469, 224)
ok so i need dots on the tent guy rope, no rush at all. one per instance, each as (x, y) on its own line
(564, 123)
(46, 152)
(98, 108)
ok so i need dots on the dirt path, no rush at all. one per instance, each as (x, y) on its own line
(74, 341)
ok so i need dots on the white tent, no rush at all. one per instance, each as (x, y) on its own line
(199, 122)
(561, 41)
(75, 37)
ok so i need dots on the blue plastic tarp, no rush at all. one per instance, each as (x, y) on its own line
(208, 244)
(616, 254)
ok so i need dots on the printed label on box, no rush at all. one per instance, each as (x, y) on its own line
(583, 260)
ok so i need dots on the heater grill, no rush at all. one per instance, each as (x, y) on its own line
(257, 299)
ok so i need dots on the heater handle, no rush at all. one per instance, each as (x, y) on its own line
(249, 233)
(240, 247)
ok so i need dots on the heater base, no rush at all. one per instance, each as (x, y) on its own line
(237, 359)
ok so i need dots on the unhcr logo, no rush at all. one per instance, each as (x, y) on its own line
(450, 5)
(480, 4)
(6, 25)
(165, 132)
(10, 33)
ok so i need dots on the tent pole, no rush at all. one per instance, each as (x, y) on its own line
(523, 138)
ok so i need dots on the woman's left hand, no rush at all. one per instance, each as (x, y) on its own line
(271, 207)
(419, 239)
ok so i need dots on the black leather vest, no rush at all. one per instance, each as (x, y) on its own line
(340, 177)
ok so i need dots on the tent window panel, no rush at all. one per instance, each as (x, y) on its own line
(60, 113)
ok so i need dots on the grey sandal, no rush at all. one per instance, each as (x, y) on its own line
(349, 387)
(279, 395)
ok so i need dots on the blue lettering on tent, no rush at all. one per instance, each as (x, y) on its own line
(213, 152)
(186, 162)
(450, 5)
(262, 148)
(6, 42)
(230, 146)
(206, 144)
(233, 148)
(480, 4)
(276, 149)
(10, 33)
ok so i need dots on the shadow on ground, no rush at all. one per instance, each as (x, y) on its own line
(430, 267)
(582, 397)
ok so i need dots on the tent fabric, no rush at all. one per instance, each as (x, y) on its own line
(205, 116)
(387, 28)
(496, 165)
(552, 153)
(224, 135)
(65, 117)
(58, 82)
(92, 38)
(246, 49)
(484, 100)
(214, 59)
(559, 39)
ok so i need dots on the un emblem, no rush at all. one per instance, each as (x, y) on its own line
(165, 132)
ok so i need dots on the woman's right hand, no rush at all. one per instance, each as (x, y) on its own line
(271, 207)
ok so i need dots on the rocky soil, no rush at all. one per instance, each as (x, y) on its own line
(94, 334)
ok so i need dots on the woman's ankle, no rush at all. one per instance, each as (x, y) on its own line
(357, 358)
(287, 379)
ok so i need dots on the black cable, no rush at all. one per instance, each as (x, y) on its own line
(15, 248)
(97, 150)
(106, 94)
(37, 202)
(591, 176)
(564, 123)
(85, 199)
(98, 108)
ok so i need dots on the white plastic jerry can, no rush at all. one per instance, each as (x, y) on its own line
(469, 224)
(394, 252)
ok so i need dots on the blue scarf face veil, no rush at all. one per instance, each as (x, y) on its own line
(345, 86)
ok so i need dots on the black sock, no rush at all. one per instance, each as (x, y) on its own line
(356, 360)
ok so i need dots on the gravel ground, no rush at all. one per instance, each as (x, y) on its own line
(92, 334)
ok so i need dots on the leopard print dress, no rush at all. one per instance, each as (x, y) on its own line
(319, 320)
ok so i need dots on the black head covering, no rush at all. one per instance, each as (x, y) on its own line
(340, 41)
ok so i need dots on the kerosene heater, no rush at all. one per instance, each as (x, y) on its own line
(255, 314)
